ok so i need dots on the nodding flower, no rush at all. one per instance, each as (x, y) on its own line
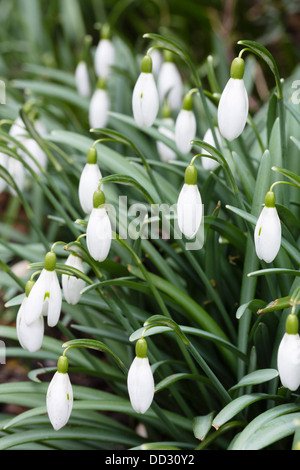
(288, 356)
(169, 82)
(105, 54)
(267, 234)
(99, 232)
(89, 181)
(72, 285)
(59, 400)
(145, 100)
(99, 106)
(186, 126)
(234, 104)
(189, 204)
(140, 382)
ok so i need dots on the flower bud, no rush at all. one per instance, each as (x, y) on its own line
(267, 234)
(207, 162)
(89, 181)
(234, 104)
(288, 356)
(169, 83)
(82, 79)
(60, 396)
(105, 54)
(30, 337)
(72, 285)
(189, 204)
(99, 106)
(99, 233)
(140, 380)
(186, 126)
(145, 100)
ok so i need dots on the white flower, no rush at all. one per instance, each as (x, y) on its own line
(209, 163)
(88, 183)
(82, 79)
(267, 234)
(170, 85)
(99, 107)
(59, 398)
(185, 130)
(36, 151)
(189, 204)
(165, 152)
(104, 58)
(288, 361)
(140, 382)
(99, 232)
(30, 337)
(72, 286)
(145, 100)
(45, 297)
(234, 104)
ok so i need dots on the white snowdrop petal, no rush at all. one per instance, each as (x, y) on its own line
(209, 163)
(189, 210)
(71, 285)
(59, 400)
(104, 58)
(99, 234)
(267, 234)
(30, 337)
(157, 61)
(145, 100)
(170, 85)
(55, 300)
(140, 384)
(165, 152)
(37, 153)
(233, 109)
(88, 183)
(82, 79)
(98, 110)
(34, 306)
(288, 361)
(185, 130)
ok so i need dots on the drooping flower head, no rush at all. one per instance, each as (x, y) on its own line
(45, 297)
(72, 285)
(189, 204)
(59, 398)
(165, 152)
(234, 104)
(105, 54)
(267, 234)
(186, 126)
(140, 382)
(99, 106)
(288, 356)
(82, 76)
(99, 232)
(145, 100)
(169, 82)
(89, 181)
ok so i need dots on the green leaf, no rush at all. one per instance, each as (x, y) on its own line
(252, 305)
(167, 381)
(202, 425)
(256, 377)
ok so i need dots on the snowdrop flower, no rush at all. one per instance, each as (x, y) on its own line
(169, 83)
(30, 337)
(189, 204)
(72, 285)
(165, 152)
(145, 100)
(82, 79)
(186, 126)
(288, 356)
(267, 234)
(140, 382)
(37, 152)
(99, 233)
(45, 297)
(99, 106)
(207, 162)
(234, 104)
(105, 54)
(59, 399)
(89, 181)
